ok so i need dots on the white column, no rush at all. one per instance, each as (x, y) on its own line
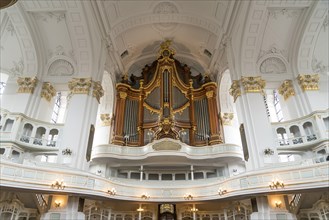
(81, 114)
(72, 209)
(46, 104)
(263, 209)
(252, 112)
(141, 175)
(103, 129)
(192, 173)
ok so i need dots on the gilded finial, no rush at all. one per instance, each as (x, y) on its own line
(165, 50)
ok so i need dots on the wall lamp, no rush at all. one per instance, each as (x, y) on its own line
(188, 197)
(275, 184)
(145, 196)
(57, 204)
(112, 191)
(58, 184)
(221, 191)
(140, 209)
(194, 209)
(278, 204)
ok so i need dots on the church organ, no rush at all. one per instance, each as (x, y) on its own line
(166, 101)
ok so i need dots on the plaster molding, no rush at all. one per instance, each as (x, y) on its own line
(181, 18)
(61, 65)
(308, 82)
(287, 89)
(272, 65)
(18, 68)
(26, 84)
(48, 91)
(288, 13)
(318, 66)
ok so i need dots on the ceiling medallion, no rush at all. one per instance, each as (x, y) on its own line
(164, 26)
(7, 3)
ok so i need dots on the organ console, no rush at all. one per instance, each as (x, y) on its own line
(166, 101)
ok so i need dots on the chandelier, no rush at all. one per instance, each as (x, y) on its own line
(145, 196)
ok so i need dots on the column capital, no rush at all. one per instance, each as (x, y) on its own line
(48, 91)
(27, 84)
(308, 82)
(98, 90)
(80, 85)
(227, 118)
(253, 84)
(286, 89)
(235, 89)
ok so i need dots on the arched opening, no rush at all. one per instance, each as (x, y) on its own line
(297, 139)
(39, 136)
(52, 138)
(282, 136)
(308, 128)
(8, 125)
(27, 131)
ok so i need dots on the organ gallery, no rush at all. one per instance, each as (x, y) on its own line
(166, 101)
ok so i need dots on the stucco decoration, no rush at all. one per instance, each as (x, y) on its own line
(287, 89)
(272, 65)
(165, 8)
(26, 84)
(61, 66)
(48, 91)
(318, 66)
(227, 118)
(166, 145)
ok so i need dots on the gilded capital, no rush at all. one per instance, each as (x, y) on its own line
(308, 82)
(48, 91)
(106, 119)
(286, 89)
(253, 84)
(210, 94)
(80, 85)
(227, 118)
(235, 89)
(123, 95)
(27, 84)
(98, 90)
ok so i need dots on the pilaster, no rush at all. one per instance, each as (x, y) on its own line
(251, 106)
(80, 115)
(46, 105)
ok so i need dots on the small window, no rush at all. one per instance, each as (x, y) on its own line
(2, 150)
(153, 176)
(166, 177)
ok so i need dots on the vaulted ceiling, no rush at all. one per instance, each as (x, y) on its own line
(277, 39)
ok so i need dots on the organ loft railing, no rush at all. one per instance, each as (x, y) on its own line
(166, 101)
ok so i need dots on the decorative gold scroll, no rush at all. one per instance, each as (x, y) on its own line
(27, 84)
(253, 84)
(286, 89)
(48, 91)
(80, 85)
(308, 82)
(235, 89)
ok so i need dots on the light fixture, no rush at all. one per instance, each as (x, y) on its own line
(275, 184)
(112, 191)
(57, 204)
(188, 197)
(221, 191)
(194, 209)
(140, 209)
(58, 184)
(145, 196)
(278, 204)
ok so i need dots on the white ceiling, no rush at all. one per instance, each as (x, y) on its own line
(277, 39)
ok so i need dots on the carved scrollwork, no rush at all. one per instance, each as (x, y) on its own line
(98, 90)
(48, 91)
(253, 84)
(286, 89)
(308, 82)
(235, 89)
(80, 85)
(27, 84)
